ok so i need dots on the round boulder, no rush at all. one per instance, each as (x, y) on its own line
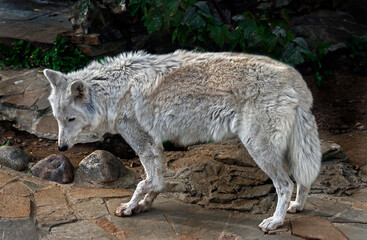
(101, 167)
(14, 158)
(55, 167)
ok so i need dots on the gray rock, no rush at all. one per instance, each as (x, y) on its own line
(55, 167)
(219, 176)
(332, 151)
(101, 167)
(14, 158)
(224, 176)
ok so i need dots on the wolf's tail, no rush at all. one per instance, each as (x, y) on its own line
(304, 153)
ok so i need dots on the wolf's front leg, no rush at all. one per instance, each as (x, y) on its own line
(151, 157)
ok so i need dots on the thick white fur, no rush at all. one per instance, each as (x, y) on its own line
(188, 98)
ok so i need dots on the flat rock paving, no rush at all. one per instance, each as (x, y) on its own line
(31, 208)
(34, 21)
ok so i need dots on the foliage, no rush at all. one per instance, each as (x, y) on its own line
(192, 24)
(185, 18)
(7, 143)
(316, 59)
(358, 48)
(62, 56)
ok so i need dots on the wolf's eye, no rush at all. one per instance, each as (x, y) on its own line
(71, 119)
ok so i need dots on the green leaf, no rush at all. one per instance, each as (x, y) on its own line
(63, 41)
(321, 48)
(196, 22)
(172, 6)
(202, 38)
(219, 34)
(292, 54)
(301, 42)
(174, 34)
(203, 6)
(188, 14)
(309, 54)
(27, 49)
(177, 18)
(318, 79)
(154, 24)
(285, 15)
(182, 35)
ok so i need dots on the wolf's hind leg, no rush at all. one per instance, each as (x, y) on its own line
(300, 202)
(151, 157)
(269, 157)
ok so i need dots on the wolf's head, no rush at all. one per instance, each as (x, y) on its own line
(71, 105)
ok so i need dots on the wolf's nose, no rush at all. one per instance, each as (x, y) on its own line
(63, 148)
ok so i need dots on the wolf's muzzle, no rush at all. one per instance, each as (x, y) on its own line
(63, 148)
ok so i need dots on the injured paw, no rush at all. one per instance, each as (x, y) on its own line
(270, 223)
(294, 207)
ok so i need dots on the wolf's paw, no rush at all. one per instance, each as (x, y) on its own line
(143, 206)
(294, 207)
(270, 223)
(123, 210)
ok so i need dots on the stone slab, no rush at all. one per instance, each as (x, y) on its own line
(35, 184)
(5, 178)
(245, 226)
(110, 227)
(18, 229)
(193, 222)
(50, 197)
(32, 32)
(18, 84)
(83, 209)
(352, 215)
(40, 83)
(15, 14)
(16, 188)
(47, 126)
(49, 216)
(353, 230)
(154, 225)
(327, 208)
(25, 100)
(12, 206)
(79, 193)
(43, 102)
(316, 228)
(79, 230)
(10, 73)
(360, 205)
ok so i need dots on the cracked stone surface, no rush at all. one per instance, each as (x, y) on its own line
(39, 209)
(316, 228)
(41, 26)
(224, 176)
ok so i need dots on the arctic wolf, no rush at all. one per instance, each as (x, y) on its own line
(187, 98)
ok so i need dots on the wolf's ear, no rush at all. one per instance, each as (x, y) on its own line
(54, 77)
(79, 90)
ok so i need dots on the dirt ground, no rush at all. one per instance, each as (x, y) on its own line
(340, 108)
